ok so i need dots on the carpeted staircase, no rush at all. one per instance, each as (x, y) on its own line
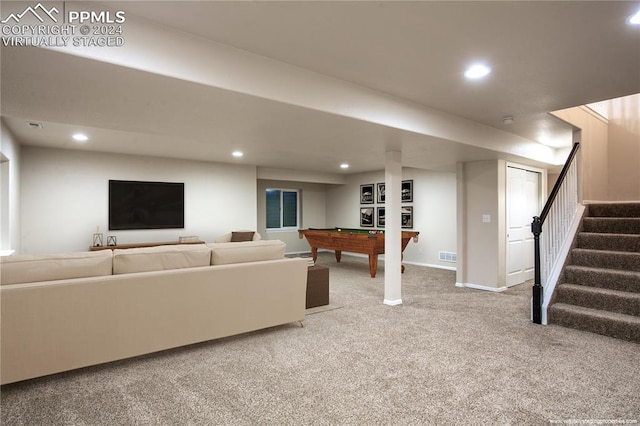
(600, 290)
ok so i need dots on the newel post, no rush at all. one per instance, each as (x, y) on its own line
(536, 229)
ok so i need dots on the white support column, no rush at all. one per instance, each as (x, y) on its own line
(393, 229)
(461, 226)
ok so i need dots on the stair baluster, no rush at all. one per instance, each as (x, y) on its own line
(562, 204)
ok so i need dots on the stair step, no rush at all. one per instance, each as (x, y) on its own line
(621, 260)
(600, 288)
(612, 225)
(614, 242)
(614, 210)
(622, 302)
(603, 278)
(611, 324)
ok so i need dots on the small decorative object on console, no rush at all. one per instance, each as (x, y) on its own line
(189, 239)
(111, 240)
(97, 238)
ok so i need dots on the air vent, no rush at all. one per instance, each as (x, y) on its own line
(445, 256)
(35, 125)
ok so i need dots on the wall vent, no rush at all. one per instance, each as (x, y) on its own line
(446, 256)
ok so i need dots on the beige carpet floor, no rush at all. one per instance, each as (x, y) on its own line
(446, 356)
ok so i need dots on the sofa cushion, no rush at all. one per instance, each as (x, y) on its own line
(160, 258)
(29, 268)
(226, 238)
(247, 251)
(240, 236)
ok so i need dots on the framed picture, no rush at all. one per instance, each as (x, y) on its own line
(407, 191)
(381, 192)
(381, 216)
(366, 216)
(407, 216)
(366, 194)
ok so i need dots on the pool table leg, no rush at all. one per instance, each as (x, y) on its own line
(373, 265)
(338, 256)
(314, 253)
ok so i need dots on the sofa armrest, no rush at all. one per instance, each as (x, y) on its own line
(247, 251)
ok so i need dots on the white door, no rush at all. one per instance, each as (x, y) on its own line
(523, 202)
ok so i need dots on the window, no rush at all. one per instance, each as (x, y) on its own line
(282, 209)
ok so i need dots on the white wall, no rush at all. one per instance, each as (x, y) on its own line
(65, 197)
(624, 148)
(434, 210)
(594, 151)
(313, 212)
(610, 149)
(9, 191)
(434, 216)
(481, 243)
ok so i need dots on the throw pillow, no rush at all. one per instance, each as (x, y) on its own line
(237, 237)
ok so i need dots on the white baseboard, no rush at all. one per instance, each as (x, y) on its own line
(431, 265)
(482, 287)
(292, 253)
(381, 257)
(610, 202)
(348, 253)
(289, 253)
(392, 302)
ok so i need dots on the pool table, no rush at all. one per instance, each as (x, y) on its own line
(367, 241)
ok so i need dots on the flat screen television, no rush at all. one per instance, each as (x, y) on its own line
(145, 205)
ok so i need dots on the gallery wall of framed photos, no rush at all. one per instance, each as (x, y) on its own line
(372, 200)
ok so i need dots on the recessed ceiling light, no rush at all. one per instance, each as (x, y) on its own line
(634, 19)
(344, 166)
(80, 137)
(237, 154)
(477, 71)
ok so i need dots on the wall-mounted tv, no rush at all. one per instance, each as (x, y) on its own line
(145, 205)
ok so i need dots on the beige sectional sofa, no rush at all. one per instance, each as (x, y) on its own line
(62, 312)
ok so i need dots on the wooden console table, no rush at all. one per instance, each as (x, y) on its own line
(139, 245)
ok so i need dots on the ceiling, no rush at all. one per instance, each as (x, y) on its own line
(544, 56)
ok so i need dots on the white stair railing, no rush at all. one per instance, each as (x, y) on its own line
(556, 223)
(555, 229)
